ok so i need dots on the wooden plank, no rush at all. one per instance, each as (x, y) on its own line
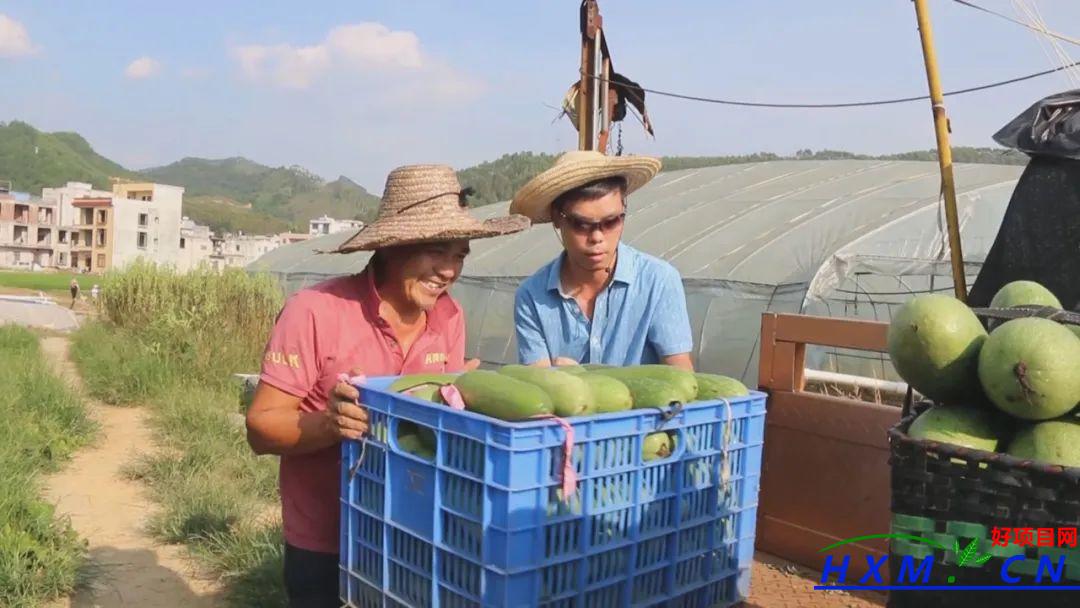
(767, 351)
(801, 545)
(833, 418)
(825, 472)
(784, 373)
(830, 487)
(836, 332)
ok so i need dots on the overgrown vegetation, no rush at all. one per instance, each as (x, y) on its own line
(172, 342)
(44, 422)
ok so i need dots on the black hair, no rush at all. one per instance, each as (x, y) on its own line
(590, 192)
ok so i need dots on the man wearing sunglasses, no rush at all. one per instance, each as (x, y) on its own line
(600, 301)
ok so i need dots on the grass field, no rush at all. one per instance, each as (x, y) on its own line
(172, 342)
(43, 281)
(44, 423)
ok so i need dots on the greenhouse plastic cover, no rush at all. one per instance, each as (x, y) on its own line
(847, 238)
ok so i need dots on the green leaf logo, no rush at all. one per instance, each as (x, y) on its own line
(971, 554)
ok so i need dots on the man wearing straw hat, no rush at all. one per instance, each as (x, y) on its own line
(395, 317)
(600, 301)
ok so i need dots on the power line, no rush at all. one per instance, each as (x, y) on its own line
(1061, 37)
(853, 104)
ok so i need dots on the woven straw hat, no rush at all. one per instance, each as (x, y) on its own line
(574, 169)
(423, 204)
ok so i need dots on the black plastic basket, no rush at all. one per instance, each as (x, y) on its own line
(953, 487)
(958, 494)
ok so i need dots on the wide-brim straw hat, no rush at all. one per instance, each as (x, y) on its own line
(574, 169)
(424, 204)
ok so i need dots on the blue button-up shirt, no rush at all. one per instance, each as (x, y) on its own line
(638, 318)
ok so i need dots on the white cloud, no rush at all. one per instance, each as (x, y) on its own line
(283, 64)
(359, 50)
(373, 46)
(14, 39)
(143, 67)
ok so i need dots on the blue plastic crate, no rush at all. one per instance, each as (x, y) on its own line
(484, 522)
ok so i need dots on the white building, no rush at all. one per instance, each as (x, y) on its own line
(64, 196)
(62, 199)
(137, 220)
(196, 245)
(238, 250)
(327, 225)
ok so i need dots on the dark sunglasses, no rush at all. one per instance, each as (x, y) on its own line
(582, 226)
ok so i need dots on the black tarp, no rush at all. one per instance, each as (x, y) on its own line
(1039, 237)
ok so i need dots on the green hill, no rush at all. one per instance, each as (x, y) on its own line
(223, 214)
(33, 160)
(292, 194)
(341, 198)
(239, 194)
(497, 180)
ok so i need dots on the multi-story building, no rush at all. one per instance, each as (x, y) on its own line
(138, 220)
(327, 225)
(28, 231)
(196, 245)
(239, 250)
(63, 199)
(64, 196)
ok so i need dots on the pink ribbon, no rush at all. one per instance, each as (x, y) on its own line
(452, 396)
(569, 473)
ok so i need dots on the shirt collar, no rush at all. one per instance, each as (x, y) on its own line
(369, 296)
(625, 265)
(625, 269)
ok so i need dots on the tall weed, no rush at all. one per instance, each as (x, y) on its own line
(173, 342)
(44, 423)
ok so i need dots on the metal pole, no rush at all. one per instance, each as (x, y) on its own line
(587, 94)
(941, 127)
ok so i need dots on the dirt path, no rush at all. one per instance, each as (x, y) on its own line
(128, 567)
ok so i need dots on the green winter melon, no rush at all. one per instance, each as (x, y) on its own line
(608, 394)
(1030, 368)
(1052, 442)
(657, 445)
(965, 426)
(715, 386)
(1024, 293)
(934, 342)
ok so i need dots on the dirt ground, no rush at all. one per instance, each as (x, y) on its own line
(777, 583)
(127, 566)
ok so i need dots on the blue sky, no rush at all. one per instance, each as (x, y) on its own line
(357, 87)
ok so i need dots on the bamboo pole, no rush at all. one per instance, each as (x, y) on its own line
(941, 128)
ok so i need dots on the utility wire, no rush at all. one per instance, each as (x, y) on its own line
(853, 104)
(1061, 37)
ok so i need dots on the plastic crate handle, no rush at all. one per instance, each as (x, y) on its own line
(356, 381)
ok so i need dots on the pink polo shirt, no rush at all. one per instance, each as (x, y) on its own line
(324, 330)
